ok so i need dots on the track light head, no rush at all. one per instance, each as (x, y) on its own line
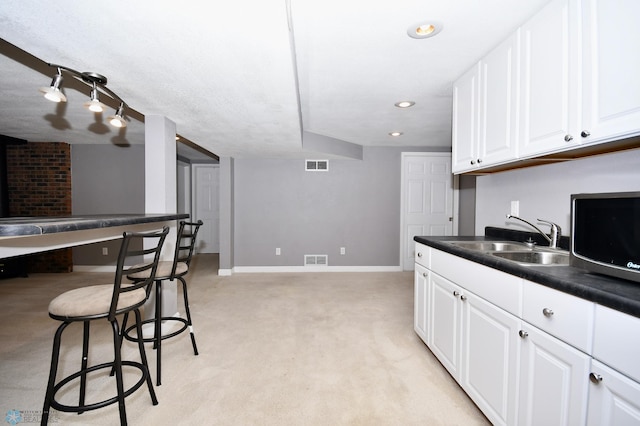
(117, 120)
(53, 92)
(94, 103)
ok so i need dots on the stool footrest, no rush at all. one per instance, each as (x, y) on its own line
(77, 408)
(185, 325)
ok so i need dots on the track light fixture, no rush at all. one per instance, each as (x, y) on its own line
(95, 81)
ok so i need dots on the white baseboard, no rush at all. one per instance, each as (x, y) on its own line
(272, 269)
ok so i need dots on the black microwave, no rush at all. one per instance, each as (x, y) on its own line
(605, 233)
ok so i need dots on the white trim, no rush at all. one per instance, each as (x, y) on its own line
(225, 272)
(266, 269)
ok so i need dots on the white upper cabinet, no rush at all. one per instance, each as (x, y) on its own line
(466, 103)
(550, 79)
(611, 63)
(485, 110)
(566, 79)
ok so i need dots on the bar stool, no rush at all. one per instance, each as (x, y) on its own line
(106, 301)
(170, 270)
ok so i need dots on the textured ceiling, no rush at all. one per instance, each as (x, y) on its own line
(247, 78)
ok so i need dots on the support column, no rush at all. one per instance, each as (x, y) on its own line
(160, 190)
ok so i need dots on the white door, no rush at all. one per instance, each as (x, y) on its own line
(206, 206)
(466, 103)
(489, 363)
(421, 302)
(614, 399)
(553, 381)
(444, 322)
(549, 82)
(611, 86)
(427, 200)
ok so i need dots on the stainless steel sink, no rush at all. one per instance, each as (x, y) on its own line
(492, 245)
(535, 257)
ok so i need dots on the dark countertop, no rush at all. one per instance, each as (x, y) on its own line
(622, 295)
(25, 226)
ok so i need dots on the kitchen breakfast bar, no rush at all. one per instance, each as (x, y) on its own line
(26, 235)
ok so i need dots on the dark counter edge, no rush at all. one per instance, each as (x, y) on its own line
(26, 226)
(618, 294)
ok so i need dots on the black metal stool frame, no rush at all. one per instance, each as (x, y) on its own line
(182, 255)
(119, 288)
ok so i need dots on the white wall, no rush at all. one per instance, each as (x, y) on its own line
(545, 191)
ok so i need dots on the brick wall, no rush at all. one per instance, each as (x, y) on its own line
(39, 178)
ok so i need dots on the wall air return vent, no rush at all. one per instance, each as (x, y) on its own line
(316, 165)
(315, 260)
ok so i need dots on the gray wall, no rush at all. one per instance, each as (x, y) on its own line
(105, 179)
(544, 191)
(356, 205)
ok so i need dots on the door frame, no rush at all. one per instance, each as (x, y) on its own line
(455, 200)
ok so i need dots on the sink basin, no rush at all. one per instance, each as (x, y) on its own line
(535, 257)
(492, 245)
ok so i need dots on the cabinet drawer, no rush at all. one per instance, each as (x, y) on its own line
(501, 289)
(423, 255)
(567, 317)
(616, 341)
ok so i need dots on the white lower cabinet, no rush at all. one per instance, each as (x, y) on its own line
(553, 380)
(490, 358)
(614, 399)
(421, 293)
(477, 343)
(556, 372)
(445, 317)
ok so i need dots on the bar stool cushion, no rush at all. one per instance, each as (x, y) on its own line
(163, 272)
(92, 301)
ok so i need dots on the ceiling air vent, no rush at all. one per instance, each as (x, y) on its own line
(316, 165)
(315, 260)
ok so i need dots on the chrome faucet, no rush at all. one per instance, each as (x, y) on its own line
(556, 231)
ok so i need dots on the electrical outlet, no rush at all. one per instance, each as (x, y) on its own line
(343, 250)
(105, 251)
(277, 251)
(515, 208)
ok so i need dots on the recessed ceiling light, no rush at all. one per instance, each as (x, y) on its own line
(395, 134)
(404, 104)
(424, 29)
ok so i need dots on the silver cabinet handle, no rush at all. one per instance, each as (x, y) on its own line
(523, 333)
(547, 312)
(456, 293)
(472, 162)
(595, 378)
(479, 160)
(568, 138)
(585, 134)
(463, 297)
(424, 274)
(419, 254)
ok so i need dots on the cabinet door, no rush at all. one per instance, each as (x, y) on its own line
(490, 358)
(614, 399)
(549, 80)
(553, 380)
(421, 300)
(444, 323)
(466, 92)
(611, 67)
(498, 108)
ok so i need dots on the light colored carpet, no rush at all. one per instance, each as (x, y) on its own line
(275, 349)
